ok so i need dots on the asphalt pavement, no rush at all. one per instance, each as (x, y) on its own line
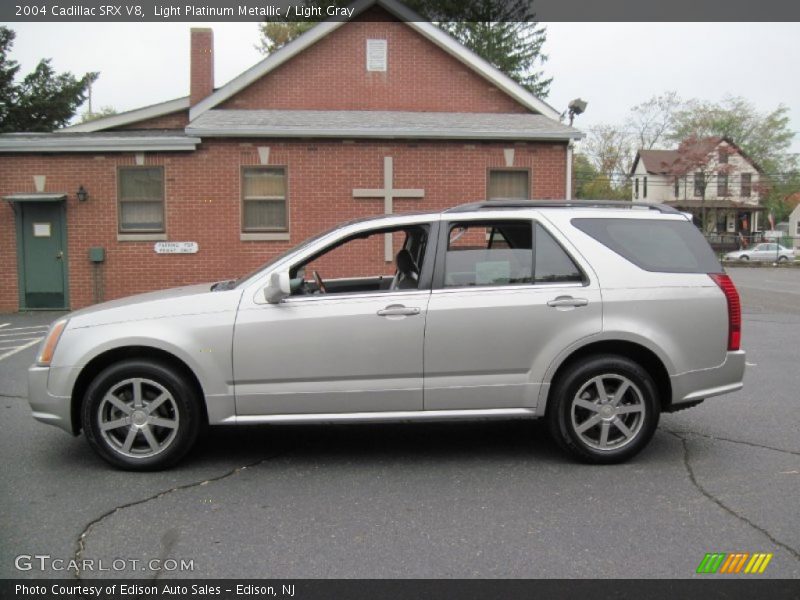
(488, 499)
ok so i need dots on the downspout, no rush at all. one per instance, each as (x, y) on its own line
(568, 187)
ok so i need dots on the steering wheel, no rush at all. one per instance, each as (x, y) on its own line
(319, 282)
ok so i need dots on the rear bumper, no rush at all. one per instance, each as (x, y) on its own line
(47, 408)
(698, 385)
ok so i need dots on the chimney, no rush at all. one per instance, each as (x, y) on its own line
(201, 73)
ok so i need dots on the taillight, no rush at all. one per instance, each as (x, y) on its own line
(734, 309)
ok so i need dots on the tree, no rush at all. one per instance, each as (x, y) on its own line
(653, 121)
(44, 100)
(103, 111)
(765, 137)
(611, 152)
(505, 34)
(590, 184)
(276, 34)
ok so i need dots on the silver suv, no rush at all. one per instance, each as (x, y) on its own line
(597, 317)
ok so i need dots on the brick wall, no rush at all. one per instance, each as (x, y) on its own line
(203, 202)
(332, 75)
(176, 120)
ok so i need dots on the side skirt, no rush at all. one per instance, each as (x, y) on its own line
(388, 416)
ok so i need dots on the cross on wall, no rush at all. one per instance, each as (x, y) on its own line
(388, 193)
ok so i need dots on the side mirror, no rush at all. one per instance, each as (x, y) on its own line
(279, 287)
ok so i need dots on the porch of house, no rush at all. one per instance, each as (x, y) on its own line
(728, 225)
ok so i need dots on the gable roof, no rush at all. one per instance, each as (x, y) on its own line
(411, 19)
(378, 124)
(131, 116)
(661, 162)
(656, 162)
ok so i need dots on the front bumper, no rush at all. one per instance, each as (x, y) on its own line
(47, 408)
(705, 383)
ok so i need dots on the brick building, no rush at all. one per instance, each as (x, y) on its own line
(380, 113)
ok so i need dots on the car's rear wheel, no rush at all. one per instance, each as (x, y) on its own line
(603, 409)
(141, 415)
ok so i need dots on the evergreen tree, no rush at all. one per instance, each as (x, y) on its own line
(505, 34)
(44, 100)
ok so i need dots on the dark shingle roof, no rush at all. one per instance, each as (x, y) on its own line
(378, 124)
(658, 162)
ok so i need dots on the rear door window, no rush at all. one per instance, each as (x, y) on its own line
(667, 246)
(500, 253)
(488, 254)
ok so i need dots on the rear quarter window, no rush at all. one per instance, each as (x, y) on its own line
(666, 246)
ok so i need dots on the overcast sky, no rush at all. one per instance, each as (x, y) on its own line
(611, 65)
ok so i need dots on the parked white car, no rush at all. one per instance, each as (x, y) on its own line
(764, 252)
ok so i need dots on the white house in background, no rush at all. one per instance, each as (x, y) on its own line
(794, 226)
(732, 203)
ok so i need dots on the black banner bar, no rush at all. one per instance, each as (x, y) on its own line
(438, 10)
(392, 589)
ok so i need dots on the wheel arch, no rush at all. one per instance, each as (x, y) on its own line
(115, 355)
(634, 351)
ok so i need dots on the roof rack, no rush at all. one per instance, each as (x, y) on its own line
(511, 203)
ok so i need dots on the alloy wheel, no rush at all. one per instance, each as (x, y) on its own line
(608, 412)
(138, 418)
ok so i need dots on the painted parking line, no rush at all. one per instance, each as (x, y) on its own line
(16, 339)
(13, 351)
(8, 333)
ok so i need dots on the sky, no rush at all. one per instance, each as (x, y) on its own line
(613, 66)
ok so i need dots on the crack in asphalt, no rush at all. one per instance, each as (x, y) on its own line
(80, 545)
(708, 495)
(732, 441)
(2, 395)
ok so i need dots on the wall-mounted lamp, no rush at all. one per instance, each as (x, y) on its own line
(82, 194)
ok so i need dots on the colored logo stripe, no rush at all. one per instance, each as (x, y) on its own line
(711, 562)
(723, 562)
(758, 564)
(734, 563)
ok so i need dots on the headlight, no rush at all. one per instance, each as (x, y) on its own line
(50, 343)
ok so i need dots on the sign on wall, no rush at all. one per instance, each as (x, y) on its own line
(176, 247)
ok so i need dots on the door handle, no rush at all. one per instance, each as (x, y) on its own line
(567, 302)
(60, 255)
(398, 310)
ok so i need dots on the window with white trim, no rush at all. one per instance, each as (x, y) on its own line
(140, 199)
(264, 205)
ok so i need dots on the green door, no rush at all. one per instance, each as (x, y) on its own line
(43, 255)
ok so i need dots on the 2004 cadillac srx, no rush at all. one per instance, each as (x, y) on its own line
(597, 317)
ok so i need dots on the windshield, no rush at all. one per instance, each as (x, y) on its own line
(244, 280)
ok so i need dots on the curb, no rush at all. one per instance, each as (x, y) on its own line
(746, 264)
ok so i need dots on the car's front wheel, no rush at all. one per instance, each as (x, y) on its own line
(141, 415)
(783, 259)
(603, 409)
(744, 257)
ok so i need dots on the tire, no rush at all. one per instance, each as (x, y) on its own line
(120, 426)
(744, 257)
(577, 418)
(783, 259)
